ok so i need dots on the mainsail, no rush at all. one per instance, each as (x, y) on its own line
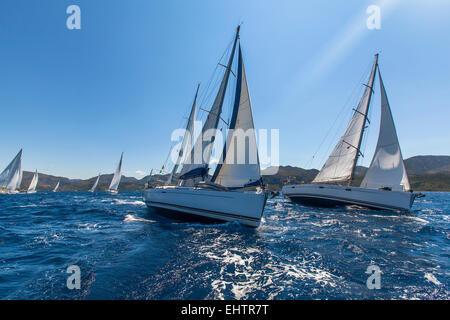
(34, 182)
(186, 144)
(387, 168)
(199, 167)
(11, 177)
(117, 175)
(240, 166)
(95, 184)
(56, 187)
(340, 166)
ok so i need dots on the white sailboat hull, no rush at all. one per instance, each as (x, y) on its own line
(332, 195)
(244, 207)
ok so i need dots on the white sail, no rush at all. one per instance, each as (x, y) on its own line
(95, 184)
(203, 146)
(11, 177)
(56, 187)
(387, 168)
(34, 182)
(341, 163)
(186, 144)
(240, 166)
(117, 175)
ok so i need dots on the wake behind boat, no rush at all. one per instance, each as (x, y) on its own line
(385, 185)
(219, 197)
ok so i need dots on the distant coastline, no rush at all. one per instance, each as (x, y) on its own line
(426, 173)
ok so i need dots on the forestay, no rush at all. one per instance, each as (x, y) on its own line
(387, 168)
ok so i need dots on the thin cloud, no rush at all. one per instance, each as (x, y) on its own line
(140, 173)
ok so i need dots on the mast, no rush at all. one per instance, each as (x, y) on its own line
(201, 170)
(370, 86)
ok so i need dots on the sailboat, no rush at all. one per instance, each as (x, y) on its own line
(33, 184)
(56, 187)
(11, 177)
(219, 197)
(95, 184)
(385, 184)
(114, 186)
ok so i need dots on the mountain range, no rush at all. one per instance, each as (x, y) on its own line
(426, 173)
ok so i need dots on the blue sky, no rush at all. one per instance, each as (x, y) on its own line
(75, 99)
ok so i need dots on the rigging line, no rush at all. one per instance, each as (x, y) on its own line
(172, 145)
(219, 76)
(356, 90)
(206, 93)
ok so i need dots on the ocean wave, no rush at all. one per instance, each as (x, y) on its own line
(132, 218)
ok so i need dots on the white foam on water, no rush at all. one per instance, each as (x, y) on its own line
(135, 202)
(431, 278)
(325, 223)
(241, 275)
(27, 206)
(132, 218)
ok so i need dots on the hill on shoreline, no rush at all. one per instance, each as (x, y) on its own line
(426, 173)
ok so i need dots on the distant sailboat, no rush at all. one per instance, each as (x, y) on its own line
(56, 187)
(33, 184)
(385, 184)
(219, 197)
(114, 186)
(11, 177)
(95, 184)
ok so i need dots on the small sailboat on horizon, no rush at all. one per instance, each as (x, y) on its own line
(11, 177)
(114, 186)
(33, 183)
(56, 187)
(95, 184)
(220, 196)
(385, 184)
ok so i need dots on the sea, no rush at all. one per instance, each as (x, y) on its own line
(78, 245)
